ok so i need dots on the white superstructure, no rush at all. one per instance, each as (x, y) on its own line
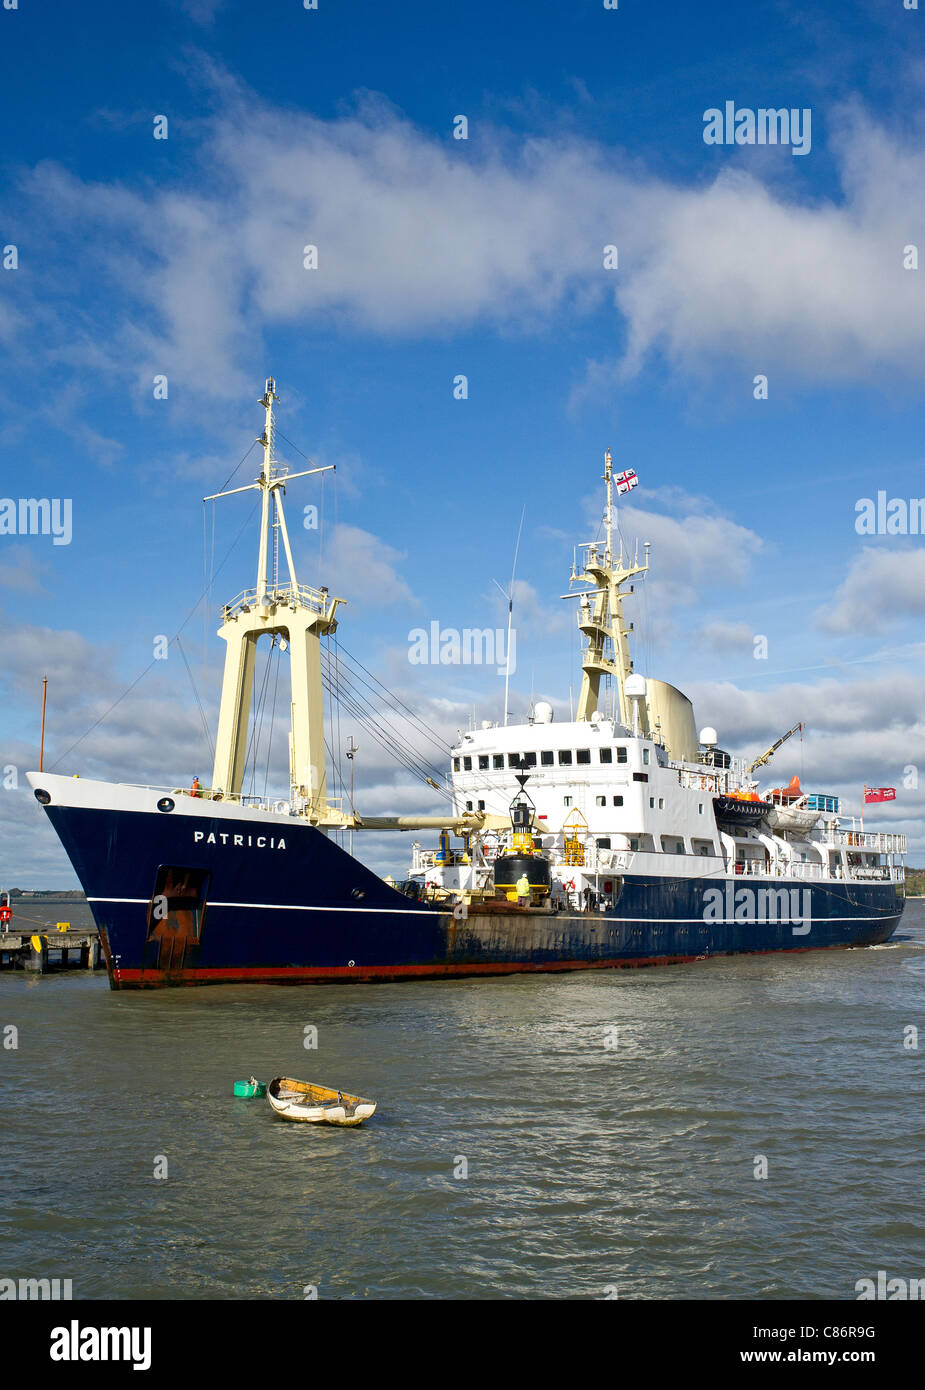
(632, 791)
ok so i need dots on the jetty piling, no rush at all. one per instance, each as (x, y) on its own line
(39, 950)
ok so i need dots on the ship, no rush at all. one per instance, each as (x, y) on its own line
(617, 837)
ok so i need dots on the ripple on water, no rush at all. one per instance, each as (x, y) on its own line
(611, 1126)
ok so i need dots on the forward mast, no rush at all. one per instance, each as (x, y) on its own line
(291, 612)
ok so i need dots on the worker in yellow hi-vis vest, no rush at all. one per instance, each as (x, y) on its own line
(523, 890)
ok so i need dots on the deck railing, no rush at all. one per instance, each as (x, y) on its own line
(283, 596)
(878, 840)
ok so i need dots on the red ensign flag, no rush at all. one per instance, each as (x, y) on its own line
(879, 794)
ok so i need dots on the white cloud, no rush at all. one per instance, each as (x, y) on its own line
(21, 569)
(881, 588)
(419, 235)
(727, 637)
(201, 12)
(870, 729)
(363, 569)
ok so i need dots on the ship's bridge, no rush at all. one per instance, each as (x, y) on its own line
(597, 768)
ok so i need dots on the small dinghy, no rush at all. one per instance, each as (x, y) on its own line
(318, 1105)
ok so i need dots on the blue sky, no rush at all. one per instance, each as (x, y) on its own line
(437, 257)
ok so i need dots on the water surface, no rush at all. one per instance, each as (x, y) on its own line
(609, 1124)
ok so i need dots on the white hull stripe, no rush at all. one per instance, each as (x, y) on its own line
(560, 917)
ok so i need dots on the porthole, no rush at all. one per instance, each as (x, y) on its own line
(42, 797)
(166, 804)
(358, 893)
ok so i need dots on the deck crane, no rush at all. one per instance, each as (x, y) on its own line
(768, 754)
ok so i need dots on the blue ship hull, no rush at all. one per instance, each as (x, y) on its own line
(281, 902)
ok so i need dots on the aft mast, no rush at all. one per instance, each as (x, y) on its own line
(600, 616)
(296, 612)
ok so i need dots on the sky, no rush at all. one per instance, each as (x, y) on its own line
(754, 349)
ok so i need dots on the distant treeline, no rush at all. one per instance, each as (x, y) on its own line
(915, 882)
(71, 895)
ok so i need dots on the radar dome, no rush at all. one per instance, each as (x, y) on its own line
(708, 737)
(542, 713)
(635, 687)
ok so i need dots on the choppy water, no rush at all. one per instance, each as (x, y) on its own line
(588, 1166)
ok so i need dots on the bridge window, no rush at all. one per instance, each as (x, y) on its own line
(621, 754)
(497, 760)
(467, 764)
(483, 762)
(455, 764)
(513, 760)
(645, 756)
(530, 759)
(583, 755)
(605, 755)
(565, 757)
(546, 757)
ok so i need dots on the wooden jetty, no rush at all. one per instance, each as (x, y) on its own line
(39, 949)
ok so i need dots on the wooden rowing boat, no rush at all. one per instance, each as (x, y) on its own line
(319, 1105)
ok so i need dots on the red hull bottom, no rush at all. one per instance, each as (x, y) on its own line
(392, 974)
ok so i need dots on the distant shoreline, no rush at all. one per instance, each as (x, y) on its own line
(65, 894)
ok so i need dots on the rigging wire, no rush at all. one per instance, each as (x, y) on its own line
(202, 714)
(279, 434)
(426, 730)
(266, 776)
(257, 723)
(339, 744)
(408, 752)
(384, 735)
(379, 705)
(238, 465)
